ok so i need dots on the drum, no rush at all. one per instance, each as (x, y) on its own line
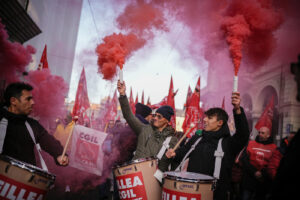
(135, 179)
(187, 185)
(19, 180)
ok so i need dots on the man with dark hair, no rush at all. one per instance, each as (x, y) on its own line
(19, 134)
(151, 137)
(213, 152)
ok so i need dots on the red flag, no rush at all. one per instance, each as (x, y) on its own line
(136, 99)
(223, 103)
(44, 62)
(267, 116)
(188, 97)
(131, 102)
(194, 113)
(82, 100)
(142, 101)
(171, 102)
(148, 102)
(161, 103)
(112, 111)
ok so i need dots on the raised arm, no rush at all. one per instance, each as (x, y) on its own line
(241, 136)
(132, 121)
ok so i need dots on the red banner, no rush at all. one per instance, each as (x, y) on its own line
(131, 186)
(174, 195)
(11, 189)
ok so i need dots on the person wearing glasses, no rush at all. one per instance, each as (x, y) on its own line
(257, 173)
(150, 136)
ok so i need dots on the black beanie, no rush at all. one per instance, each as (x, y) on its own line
(166, 112)
(142, 110)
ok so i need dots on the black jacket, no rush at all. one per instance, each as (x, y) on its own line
(18, 143)
(202, 159)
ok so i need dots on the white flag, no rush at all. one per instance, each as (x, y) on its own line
(86, 150)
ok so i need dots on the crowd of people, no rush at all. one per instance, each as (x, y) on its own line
(243, 169)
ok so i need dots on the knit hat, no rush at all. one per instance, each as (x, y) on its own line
(166, 112)
(142, 110)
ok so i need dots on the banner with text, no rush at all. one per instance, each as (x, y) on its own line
(86, 150)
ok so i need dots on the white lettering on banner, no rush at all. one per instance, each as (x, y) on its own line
(88, 138)
(13, 192)
(128, 183)
(173, 195)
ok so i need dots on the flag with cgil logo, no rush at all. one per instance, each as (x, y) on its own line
(86, 150)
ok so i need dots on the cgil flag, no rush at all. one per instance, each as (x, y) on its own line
(86, 150)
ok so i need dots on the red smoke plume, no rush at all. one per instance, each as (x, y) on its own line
(49, 95)
(140, 17)
(252, 22)
(14, 57)
(115, 49)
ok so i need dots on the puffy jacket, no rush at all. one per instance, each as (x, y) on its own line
(150, 139)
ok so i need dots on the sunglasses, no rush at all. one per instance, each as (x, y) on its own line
(158, 116)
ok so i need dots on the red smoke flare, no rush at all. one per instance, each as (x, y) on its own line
(49, 95)
(115, 49)
(14, 57)
(251, 23)
(140, 17)
(236, 30)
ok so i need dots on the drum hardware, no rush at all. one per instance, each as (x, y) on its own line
(119, 171)
(135, 168)
(214, 185)
(31, 178)
(152, 163)
(6, 168)
(197, 187)
(175, 184)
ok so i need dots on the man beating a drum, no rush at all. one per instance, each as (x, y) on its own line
(213, 152)
(19, 134)
(153, 139)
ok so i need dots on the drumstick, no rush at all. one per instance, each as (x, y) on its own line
(184, 136)
(68, 140)
(105, 128)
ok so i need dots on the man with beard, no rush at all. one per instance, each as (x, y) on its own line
(19, 134)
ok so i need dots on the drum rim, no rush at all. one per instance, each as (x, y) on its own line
(29, 167)
(177, 178)
(135, 161)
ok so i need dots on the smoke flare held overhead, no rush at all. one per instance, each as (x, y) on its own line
(114, 50)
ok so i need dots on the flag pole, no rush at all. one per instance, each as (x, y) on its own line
(68, 139)
(184, 136)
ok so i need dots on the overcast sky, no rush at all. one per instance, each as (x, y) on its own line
(148, 69)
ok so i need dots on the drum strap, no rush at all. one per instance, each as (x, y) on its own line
(218, 162)
(164, 147)
(3, 127)
(38, 147)
(188, 153)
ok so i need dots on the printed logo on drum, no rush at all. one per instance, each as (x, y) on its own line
(125, 170)
(183, 186)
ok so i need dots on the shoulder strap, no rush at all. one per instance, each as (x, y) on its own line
(164, 147)
(3, 127)
(188, 153)
(38, 147)
(218, 162)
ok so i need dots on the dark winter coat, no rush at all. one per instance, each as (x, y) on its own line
(18, 142)
(150, 139)
(250, 165)
(202, 159)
